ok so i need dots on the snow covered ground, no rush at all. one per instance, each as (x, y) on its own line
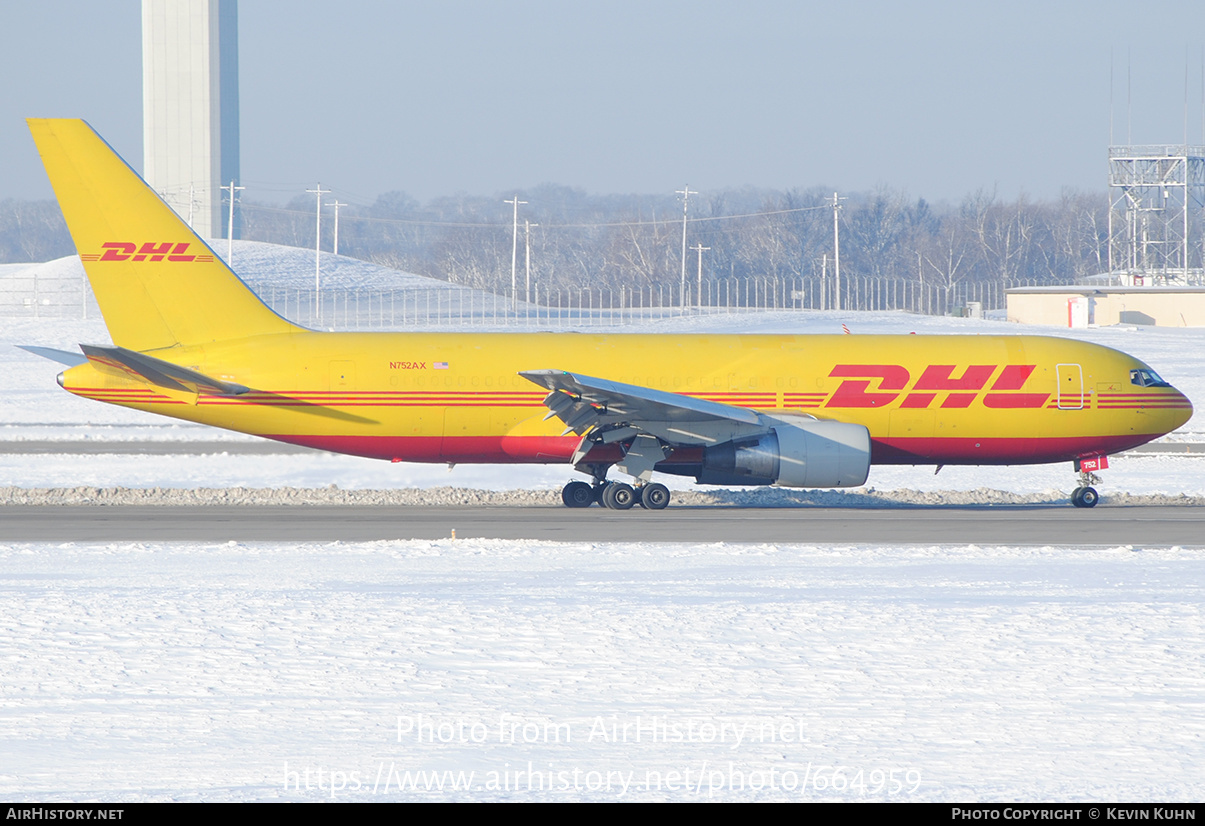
(558, 671)
(257, 263)
(483, 669)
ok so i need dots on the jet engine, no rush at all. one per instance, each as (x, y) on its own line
(803, 454)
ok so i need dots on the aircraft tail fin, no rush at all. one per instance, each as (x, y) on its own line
(158, 284)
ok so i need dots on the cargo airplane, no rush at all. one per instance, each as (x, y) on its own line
(191, 341)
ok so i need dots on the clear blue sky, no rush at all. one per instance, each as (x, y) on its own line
(368, 96)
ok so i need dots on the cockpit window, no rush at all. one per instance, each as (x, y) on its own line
(1147, 378)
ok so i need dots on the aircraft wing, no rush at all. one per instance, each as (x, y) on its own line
(646, 423)
(740, 446)
(583, 402)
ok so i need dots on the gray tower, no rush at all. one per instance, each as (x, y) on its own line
(190, 106)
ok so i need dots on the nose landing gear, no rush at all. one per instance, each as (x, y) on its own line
(1085, 496)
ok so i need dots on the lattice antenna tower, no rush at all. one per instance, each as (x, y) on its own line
(1157, 206)
(1156, 213)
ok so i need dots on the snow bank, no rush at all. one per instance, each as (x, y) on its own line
(453, 496)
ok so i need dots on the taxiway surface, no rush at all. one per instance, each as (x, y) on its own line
(1013, 525)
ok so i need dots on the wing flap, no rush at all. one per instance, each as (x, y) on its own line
(581, 400)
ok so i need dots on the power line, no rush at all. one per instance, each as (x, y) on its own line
(549, 226)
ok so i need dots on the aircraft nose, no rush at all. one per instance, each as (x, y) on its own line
(1186, 409)
(1178, 409)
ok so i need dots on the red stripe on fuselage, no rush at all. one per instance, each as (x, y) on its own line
(557, 449)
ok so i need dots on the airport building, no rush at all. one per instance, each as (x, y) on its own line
(1156, 248)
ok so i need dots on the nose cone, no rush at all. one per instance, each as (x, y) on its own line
(1168, 410)
(1181, 412)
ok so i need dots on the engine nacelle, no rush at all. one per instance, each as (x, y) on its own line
(806, 454)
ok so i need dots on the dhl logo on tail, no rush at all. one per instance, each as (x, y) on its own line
(149, 251)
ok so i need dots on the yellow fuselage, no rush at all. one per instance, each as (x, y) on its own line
(457, 397)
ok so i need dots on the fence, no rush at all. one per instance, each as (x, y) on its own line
(585, 307)
(26, 295)
(568, 308)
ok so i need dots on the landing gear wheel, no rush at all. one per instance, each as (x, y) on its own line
(654, 496)
(619, 496)
(577, 495)
(1085, 497)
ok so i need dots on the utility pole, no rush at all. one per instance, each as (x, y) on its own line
(229, 223)
(319, 191)
(837, 247)
(685, 193)
(336, 205)
(824, 282)
(514, 253)
(527, 225)
(699, 248)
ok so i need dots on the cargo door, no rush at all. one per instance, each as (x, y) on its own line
(467, 436)
(1071, 386)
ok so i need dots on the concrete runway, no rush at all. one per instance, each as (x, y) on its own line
(1010, 525)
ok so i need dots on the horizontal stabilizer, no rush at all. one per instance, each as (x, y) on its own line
(161, 373)
(61, 356)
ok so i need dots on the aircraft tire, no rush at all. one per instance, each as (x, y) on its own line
(1075, 497)
(577, 495)
(654, 496)
(620, 496)
(1088, 497)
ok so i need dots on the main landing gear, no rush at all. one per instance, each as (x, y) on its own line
(618, 496)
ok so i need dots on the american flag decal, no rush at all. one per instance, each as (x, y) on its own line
(441, 365)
